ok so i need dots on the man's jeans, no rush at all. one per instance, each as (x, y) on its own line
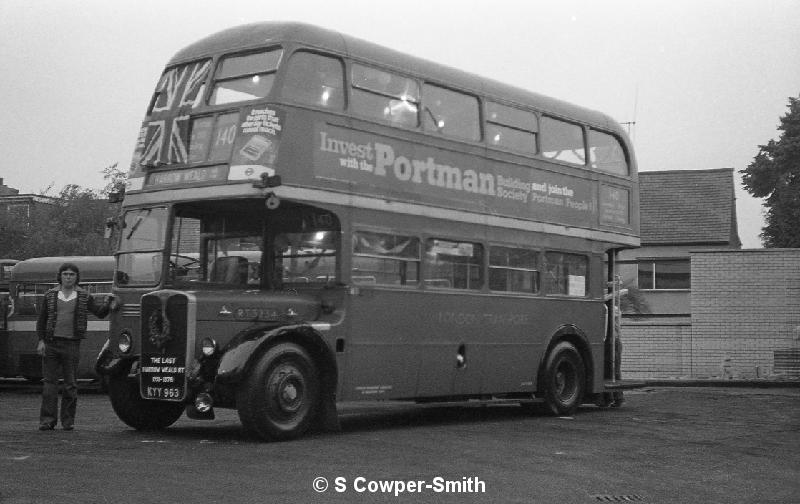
(64, 354)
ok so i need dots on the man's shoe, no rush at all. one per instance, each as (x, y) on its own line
(67, 427)
(45, 427)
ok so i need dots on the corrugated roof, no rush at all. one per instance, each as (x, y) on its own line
(688, 206)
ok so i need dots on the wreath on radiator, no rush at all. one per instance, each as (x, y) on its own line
(158, 329)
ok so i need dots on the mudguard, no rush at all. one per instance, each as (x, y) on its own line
(570, 332)
(238, 358)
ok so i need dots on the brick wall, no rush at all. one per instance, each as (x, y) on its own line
(745, 321)
(745, 308)
(656, 347)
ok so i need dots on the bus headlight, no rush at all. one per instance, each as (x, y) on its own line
(208, 346)
(124, 342)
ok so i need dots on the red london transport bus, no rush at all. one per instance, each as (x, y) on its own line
(312, 218)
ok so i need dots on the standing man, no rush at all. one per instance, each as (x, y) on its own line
(63, 318)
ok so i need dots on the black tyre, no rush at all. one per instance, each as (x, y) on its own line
(139, 413)
(604, 400)
(281, 396)
(563, 380)
(103, 382)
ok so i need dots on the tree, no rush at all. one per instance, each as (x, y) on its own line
(73, 223)
(115, 180)
(632, 300)
(774, 174)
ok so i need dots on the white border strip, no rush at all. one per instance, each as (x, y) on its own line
(370, 203)
(30, 325)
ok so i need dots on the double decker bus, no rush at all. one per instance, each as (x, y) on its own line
(28, 282)
(313, 218)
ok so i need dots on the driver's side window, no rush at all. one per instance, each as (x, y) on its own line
(184, 257)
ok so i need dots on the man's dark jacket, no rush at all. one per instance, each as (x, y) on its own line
(46, 323)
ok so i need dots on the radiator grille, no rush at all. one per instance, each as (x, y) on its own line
(131, 310)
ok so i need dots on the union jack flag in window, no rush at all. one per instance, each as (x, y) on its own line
(164, 135)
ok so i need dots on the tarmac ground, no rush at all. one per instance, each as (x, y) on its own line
(665, 445)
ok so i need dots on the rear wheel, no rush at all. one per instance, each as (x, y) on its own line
(139, 413)
(281, 396)
(563, 380)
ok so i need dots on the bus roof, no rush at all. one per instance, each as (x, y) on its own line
(95, 268)
(250, 36)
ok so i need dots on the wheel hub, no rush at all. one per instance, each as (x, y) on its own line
(288, 392)
(565, 383)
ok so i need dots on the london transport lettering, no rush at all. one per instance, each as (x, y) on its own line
(460, 180)
(491, 319)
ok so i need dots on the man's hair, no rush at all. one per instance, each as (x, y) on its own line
(71, 267)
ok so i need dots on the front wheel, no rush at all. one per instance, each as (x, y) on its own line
(563, 380)
(281, 396)
(139, 413)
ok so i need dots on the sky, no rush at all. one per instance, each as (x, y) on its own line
(703, 82)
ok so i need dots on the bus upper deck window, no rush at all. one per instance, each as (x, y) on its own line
(315, 80)
(606, 153)
(563, 141)
(511, 128)
(245, 77)
(180, 86)
(451, 113)
(384, 96)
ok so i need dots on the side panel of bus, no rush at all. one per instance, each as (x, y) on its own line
(18, 350)
(404, 342)
(21, 358)
(408, 344)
